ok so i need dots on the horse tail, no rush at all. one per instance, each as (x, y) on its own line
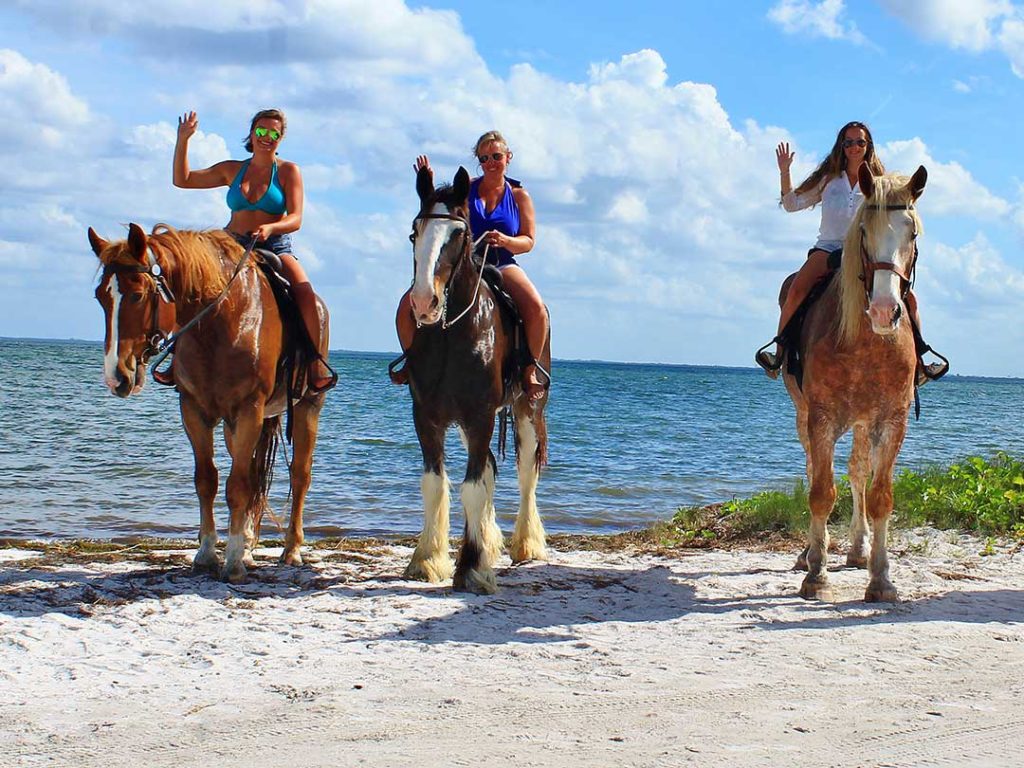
(263, 471)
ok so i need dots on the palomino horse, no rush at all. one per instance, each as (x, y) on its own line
(858, 372)
(461, 371)
(230, 367)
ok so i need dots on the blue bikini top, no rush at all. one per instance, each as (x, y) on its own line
(272, 201)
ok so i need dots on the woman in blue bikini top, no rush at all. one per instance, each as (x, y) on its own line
(265, 197)
(501, 210)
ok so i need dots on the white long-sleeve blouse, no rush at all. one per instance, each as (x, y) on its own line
(839, 203)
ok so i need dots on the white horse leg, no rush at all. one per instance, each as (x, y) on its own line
(431, 561)
(528, 539)
(859, 463)
(482, 542)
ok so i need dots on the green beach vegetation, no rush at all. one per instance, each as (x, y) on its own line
(981, 496)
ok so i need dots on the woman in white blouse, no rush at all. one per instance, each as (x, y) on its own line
(833, 184)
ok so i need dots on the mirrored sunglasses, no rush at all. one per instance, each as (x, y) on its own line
(847, 143)
(273, 133)
(493, 156)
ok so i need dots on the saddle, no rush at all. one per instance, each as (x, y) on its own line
(521, 356)
(791, 334)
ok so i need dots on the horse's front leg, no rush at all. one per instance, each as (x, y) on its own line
(859, 466)
(822, 435)
(305, 425)
(885, 449)
(431, 561)
(482, 540)
(528, 539)
(242, 437)
(200, 434)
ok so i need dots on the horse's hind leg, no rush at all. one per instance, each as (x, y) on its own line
(885, 449)
(801, 431)
(482, 541)
(859, 463)
(306, 422)
(531, 442)
(200, 434)
(431, 561)
(822, 497)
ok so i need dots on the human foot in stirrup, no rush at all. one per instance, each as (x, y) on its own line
(166, 376)
(533, 388)
(771, 362)
(930, 371)
(318, 383)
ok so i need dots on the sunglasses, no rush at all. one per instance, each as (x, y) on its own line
(493, 156)
(847, 143)
(273, 133)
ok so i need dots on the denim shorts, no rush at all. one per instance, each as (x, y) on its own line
(279, 244)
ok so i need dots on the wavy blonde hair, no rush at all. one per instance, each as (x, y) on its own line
(835, 163)
(891, 189)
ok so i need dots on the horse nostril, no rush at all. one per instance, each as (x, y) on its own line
(434, 302)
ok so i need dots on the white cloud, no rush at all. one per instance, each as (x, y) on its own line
(951, 190)
(48, 113)
(961, 87)
(821, 19)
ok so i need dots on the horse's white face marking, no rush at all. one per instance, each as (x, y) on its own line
(110, 354)
(431, 237)
(896, 246)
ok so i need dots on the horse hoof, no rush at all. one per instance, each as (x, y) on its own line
(816, 590)
(235, 574)
(432, 570)
(881, 593)
(477, 582)
(524, 552)
(291, 557)
(205, 564)
(856, 561)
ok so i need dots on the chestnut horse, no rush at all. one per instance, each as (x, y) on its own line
(230, 367)
(462, 371)
(858, 373)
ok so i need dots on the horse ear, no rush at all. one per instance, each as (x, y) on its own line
(917, 181)
(866, 180)
(460, 186)
(97, 242)
(137, 242)
(424, 183)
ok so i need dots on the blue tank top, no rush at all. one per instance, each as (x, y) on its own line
(272, 201)
(504, 218)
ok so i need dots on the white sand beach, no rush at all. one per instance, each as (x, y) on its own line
(697, 657)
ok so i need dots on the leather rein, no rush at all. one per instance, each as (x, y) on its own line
(869, 266)
(445, 323)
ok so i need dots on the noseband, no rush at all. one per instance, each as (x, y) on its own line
(165, 300)
(445, 324)
(870, 266)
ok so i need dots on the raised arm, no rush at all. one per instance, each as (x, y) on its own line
(219, 175)
(790, 200)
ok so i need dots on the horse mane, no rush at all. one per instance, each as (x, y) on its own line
(890, 189)
(196, 258)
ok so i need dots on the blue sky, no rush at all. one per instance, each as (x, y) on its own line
(644, 131)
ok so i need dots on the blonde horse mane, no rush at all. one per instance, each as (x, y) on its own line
(891, 189)
(196, 259)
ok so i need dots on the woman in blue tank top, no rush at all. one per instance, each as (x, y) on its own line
(503, 209)
(265, 196)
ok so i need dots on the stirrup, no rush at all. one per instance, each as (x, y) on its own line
(931, 371)
(544, 379)
(164, 378)
(770, 362)
(399, 376)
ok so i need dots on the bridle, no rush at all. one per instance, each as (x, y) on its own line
(468, 247)
(869, 266)
(164, 311)
(160, 342)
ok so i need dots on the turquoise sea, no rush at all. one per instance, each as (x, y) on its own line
(630, 443)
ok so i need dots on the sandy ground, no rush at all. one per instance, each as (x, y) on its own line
(593, 659)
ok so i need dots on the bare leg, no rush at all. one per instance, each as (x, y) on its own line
(305, 300)
(535, 320)
(405, 324)
(815, 268)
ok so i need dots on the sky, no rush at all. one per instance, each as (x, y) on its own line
(644, 131)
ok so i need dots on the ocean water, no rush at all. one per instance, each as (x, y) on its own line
(629, 444)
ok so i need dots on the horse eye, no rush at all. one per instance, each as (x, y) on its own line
(412, 237)
(137, 297)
